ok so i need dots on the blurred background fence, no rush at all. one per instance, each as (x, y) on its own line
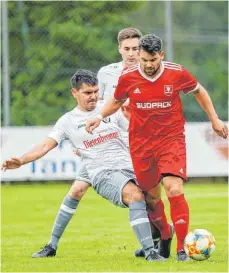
(49, 40)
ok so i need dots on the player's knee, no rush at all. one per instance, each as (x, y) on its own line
(132, 193)
(153, 196)
(151, 201)
(137, 195)
(78, 189)
(174, 188)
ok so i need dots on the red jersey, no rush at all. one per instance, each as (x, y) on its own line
(155, 105)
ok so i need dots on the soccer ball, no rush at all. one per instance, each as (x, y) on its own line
(199, 244)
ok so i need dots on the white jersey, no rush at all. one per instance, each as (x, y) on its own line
(108, 79)
(104, 149)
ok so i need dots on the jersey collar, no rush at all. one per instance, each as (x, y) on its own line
(148, 78)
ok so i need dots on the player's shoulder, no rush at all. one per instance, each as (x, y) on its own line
(172, 66)
(65, 117)
(111, 68)
(74, 114)
(63, 120)
(128, 72)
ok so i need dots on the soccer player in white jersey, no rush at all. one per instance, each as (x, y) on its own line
(100, 152)
(128, 46)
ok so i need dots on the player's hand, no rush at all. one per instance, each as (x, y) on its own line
(13, 163)
(220, 128)
(77, 152)
(92, 124)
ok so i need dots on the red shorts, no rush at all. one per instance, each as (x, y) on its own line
(169, 158)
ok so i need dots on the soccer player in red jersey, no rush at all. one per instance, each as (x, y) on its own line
(156, 130)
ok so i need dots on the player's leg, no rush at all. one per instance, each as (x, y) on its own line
(116, 187)
(156, 211)
(157, 216)
(155, 232)
(172, 164)
(63, 217)
(133, 197)
(179, 211)
(148, 176)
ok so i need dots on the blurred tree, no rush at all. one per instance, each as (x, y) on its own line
(48, 42)
(200, 44)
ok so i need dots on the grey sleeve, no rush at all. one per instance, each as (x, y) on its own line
(101, 83)
(82, 174)
(59, 130)
(122, 121)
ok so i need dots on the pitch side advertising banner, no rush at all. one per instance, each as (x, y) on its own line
(207, 154)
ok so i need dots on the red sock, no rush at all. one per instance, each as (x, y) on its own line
(180, 216)
(158, 218)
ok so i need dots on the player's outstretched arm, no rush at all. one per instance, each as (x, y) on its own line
(205, 102)
(37, 152)
(126, 109)
(110, 107)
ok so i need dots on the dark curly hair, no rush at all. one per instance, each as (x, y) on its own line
(151, 43)
(83, 76)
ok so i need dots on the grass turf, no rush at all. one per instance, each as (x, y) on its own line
(99, 237)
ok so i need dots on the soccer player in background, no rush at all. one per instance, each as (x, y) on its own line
(156, 132)
(128, 46)
(100, 152)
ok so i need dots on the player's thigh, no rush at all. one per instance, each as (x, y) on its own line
(110, 183)
(78, 189)
(146, 171)
(172, 158)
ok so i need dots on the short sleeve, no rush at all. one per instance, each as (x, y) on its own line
(121, 91)
(101, 83)
(82, 173)
(187, 82)
(59, 132)
(121, 121)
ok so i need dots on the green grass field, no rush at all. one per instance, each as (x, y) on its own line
(99, 237)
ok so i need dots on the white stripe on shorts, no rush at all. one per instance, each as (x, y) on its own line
(139, 221)
(67, 209)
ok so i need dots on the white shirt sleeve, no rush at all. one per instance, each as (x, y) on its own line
(59, 132)
(122, 121)
(82, 174)
(102, 85)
